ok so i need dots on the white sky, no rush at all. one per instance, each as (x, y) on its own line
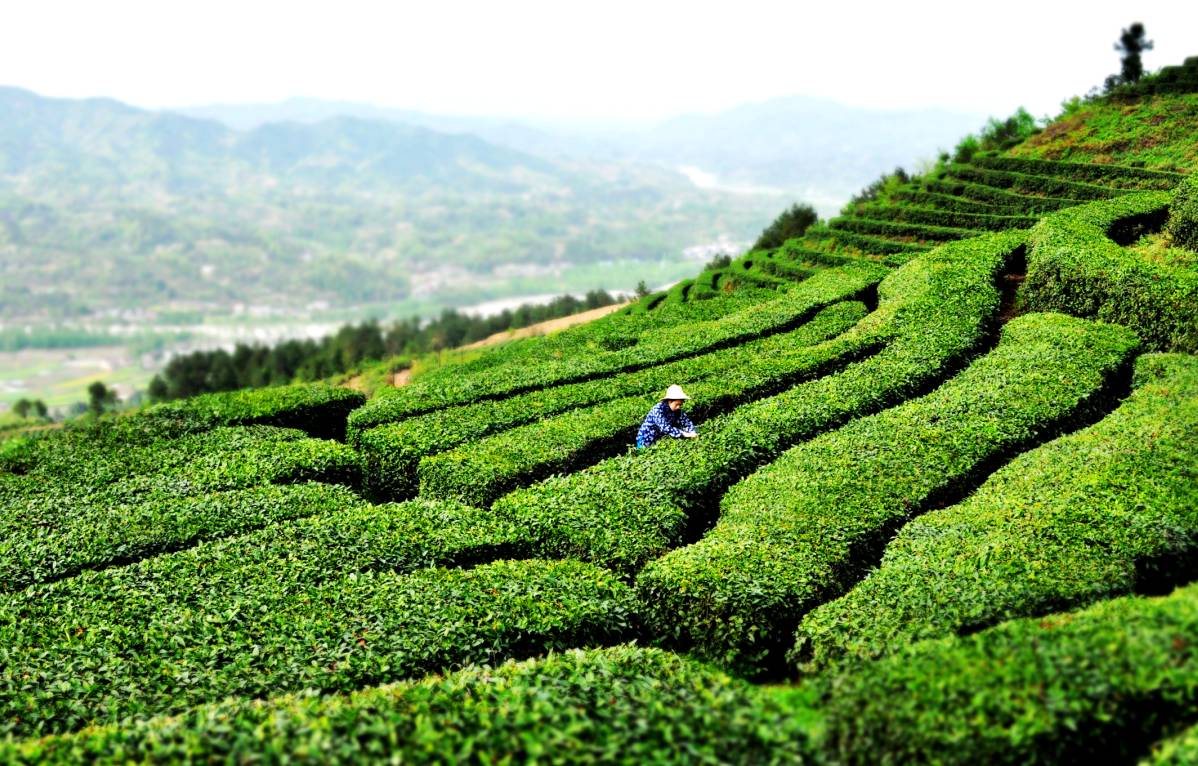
(612, 60)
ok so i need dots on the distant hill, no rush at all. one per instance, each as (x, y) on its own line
(792, 143)
(109, 210)
(101, 142)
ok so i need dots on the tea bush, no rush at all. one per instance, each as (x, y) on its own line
(801, 530)
(628, 510)
(1095, 686)
(1107, 511)
(623, 705)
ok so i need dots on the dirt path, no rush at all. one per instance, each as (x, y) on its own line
(544, 328)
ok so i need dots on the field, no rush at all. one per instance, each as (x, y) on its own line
(943, 508)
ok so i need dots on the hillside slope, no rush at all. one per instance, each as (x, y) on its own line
(943, 507)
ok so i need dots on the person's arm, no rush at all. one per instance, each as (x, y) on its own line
(688, 428)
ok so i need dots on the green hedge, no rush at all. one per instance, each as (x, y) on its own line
(162, 636)
(863, 242)
(915, 231)
(1096, 686)
(222, 458)
(1107, 511)
(794, 251)
(951, 218)
(623, 705)
(631, 352)
(1180, 750)
(625, 511)
(1118, 176)
(392, 452)
(948, 202)
(49, 536)
(1010, 202)
(479, 472)
(1183, 215)
(1024, 183)
(1074, 266)
(316, 408)
(801, 530)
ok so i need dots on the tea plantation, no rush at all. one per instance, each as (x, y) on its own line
(943, 508)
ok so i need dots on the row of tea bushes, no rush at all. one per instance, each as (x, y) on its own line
(1010, 202)
(393, 451)
(1095, 686)
(316, 408)
(1179, 750)
(623, 705)
(628, 510)
(933, 216)
(836, 239)
(121, 461)
(803, 529)
(903, 230)
(52, 536)
(1118, 176)
(1024, 183)
(918, 197)
(479, 472)
(1107, 511)
(627, 353)
(1075, 266)
(170, 633)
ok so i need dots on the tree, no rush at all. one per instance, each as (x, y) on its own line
(40, 409)
(793, 222)
(642, 289)
(1131, 44)
(22, 407)
(100, 397)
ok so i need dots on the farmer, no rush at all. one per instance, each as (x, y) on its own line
(666, 417)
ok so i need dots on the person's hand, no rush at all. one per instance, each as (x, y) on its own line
(690, 434)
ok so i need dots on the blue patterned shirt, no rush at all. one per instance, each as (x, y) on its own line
(662, 420)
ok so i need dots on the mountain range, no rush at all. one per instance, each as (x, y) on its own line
(108, 210)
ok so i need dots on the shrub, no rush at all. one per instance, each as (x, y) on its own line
(801, 530)
(1010, 202)
(1180, 750)
(1183, 215)
(621, 705)
(479, 472)
(513, 373)
(119, 463)
(1100, 513)
(56, 535)
(789, 224)
(393, 451)
(957, 219)
(865, 243)
(152, 639)
(319, 409)
(1117, 176)
(1076, 267)
(1095, 686)
(1023, 183)
(625, 511)
(914, 231)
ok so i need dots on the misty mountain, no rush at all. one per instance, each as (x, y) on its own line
(100, 142)
(796, 144)
(111, 211)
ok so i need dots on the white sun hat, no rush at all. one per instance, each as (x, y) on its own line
(675, 392)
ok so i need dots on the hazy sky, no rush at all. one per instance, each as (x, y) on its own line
(614, 60)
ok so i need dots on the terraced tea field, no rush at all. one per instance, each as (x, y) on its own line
(943, 508)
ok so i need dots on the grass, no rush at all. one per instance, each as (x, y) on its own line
(1157, 132)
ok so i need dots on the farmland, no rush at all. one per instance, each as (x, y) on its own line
(943, 507)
